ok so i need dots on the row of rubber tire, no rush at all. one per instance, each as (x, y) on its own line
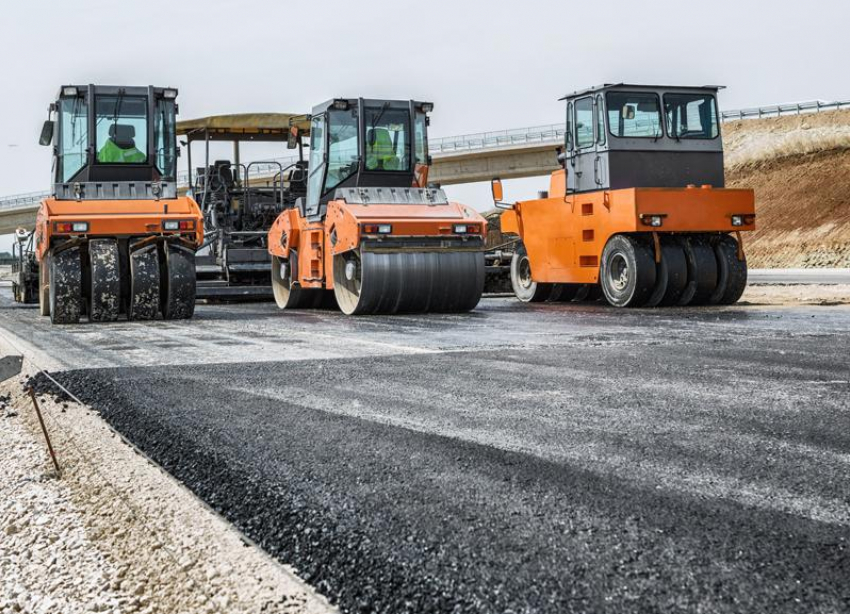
(161, 282)
(698, 269)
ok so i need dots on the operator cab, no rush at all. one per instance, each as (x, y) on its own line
(364, 143)
(634, 136)
(113, 142)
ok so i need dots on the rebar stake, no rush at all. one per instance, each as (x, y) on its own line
(44, 430)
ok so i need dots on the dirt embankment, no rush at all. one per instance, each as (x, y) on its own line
(799, 167)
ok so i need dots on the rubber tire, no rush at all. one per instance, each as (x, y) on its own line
(289, 296)
(66, 286)
(534, 292)
(564, 293)
(104, 296)
(639, 267)
(44, 286)
(702, 271)
(671, 276)
(588, 293)
(731, 272)
(178, 296)
(145, 283)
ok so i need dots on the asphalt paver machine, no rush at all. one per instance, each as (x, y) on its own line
(241, 200)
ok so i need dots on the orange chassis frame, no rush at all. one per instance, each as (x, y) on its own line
(116, 218)
(343, 229)
(565, 234)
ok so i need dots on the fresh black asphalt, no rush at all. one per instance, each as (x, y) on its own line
(692, 462)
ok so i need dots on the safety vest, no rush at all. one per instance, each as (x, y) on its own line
(110, 152)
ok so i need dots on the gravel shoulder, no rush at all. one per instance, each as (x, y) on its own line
(115, 533)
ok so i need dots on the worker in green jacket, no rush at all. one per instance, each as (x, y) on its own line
(120, 147)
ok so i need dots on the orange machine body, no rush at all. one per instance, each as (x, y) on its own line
(347, 225)
(567, 232)
(118, 219)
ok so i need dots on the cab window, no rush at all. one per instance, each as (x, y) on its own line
(584, 123)
(387, 146)
(634, 115)
(342, 147)
(73, 136)
(691, 116)
(421, 138)
(122, 129)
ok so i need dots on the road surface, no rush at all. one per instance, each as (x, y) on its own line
(548, 458)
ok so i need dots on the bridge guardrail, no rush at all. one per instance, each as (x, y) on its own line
(549, 133)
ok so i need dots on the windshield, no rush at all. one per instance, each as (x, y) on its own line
(691, 116)
(634, 115)
(73, 136)
(122, 129)
(342, 147)
(387, 139)
(164, 139)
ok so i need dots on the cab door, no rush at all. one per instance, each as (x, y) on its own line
(586, 160)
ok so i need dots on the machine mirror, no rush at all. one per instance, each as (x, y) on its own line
(629, 112)
(46, 133)
(294, 135)
(496, 187)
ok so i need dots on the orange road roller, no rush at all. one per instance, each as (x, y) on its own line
(114, 237)
(371, 236)
(638, 213)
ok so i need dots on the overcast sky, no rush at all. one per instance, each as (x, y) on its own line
(487, 65)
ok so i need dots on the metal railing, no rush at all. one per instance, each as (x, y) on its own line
(22, 201)
(479, 141)
(794, 108)
(499, 138)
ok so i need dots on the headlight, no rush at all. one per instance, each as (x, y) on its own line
(381, 229)
(461, 229)
(656, 221)
(68, 227)
(178, 225)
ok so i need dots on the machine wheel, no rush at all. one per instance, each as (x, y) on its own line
(588, 293)
(178, 296)
(44, 286)
(66, 286)
(627, 274)
(525, 288)
(731, 272)
(286, 294)
(671, 276)
(145, 283)
(368, 282)
(104, 296)
(702, 271)
(564, 293)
